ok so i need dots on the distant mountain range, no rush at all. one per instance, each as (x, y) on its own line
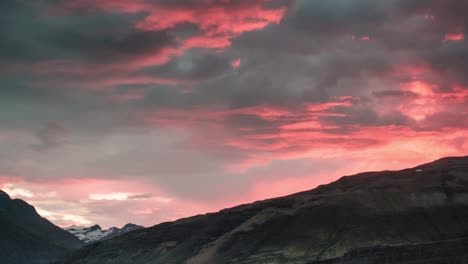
(96, 233)
(27, 238)
(417, 215)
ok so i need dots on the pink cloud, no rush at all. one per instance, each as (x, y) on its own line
(362, 38)
(324, 107)
(310, 128)
(87, 201)
(454, 37)
(207, 42)
(78, 200)
(214, 19)
(219, 22)
(236, 63)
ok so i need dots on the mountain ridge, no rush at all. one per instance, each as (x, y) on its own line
(426, 203)
(96, 233)
(28, 238)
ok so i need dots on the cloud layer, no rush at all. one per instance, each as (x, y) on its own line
(120, 111)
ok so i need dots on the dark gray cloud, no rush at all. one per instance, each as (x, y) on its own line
(99, 43)
(194, 65)
(359, 17)
(50, 136)
(33, 32)
(397, 94)
(451, 60)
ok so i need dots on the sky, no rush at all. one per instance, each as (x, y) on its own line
(146, 111)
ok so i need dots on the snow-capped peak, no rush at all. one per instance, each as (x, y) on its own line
(96, 233)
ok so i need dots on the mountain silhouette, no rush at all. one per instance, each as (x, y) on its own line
(27, 238)
(374, 217)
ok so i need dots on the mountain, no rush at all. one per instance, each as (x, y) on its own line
(26, 237)
(454, 251)
(96, 233)
(417, 215)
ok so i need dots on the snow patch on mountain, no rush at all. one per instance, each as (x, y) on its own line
(96, 233)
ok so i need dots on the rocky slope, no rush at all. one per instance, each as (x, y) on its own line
(96, 233)
(453, 251)
(413, 206)
(26, 237)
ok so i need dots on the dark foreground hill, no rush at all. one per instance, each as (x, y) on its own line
(359, 217)
(453, 251)
(27, 238)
